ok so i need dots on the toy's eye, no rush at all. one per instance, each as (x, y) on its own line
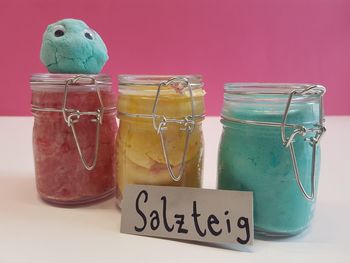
(59, 31)
(89, 34)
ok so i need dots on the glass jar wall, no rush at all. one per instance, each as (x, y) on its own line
(73, 137)
(269, 145)
(160, 140)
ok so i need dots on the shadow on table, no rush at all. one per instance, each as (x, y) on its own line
(20, 187)
(329, 225)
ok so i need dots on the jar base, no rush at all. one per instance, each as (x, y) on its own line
(260, 233)
(80, 202)
(118, 204)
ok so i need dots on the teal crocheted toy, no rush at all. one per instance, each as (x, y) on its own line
(70, 46)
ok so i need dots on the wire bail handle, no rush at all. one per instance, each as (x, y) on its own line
(301, 130)
(72, 116)
(187, 123)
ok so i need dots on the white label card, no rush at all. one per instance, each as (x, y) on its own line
(186, 213)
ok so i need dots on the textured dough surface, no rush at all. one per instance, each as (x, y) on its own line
(74, 51)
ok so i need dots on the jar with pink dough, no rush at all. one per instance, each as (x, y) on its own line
(73, 137)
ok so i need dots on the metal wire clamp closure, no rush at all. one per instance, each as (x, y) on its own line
(72, 116)
(318, 130)
(188, 123)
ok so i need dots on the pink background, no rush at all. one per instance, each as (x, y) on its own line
(225, 41)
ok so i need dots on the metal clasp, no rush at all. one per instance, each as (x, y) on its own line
(72, 116)
(187, 123)
(318, 130)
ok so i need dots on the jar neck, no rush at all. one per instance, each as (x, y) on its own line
(45, 82)
(268, 102)
(168, 96)
(73, 93)
(272, 92)
(147, 85)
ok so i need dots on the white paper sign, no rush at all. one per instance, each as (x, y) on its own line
(206, 215)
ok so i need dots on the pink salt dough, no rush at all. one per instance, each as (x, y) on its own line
(60, 174)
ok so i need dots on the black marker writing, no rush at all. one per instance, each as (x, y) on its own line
(167, 227)
(213, 220)
(195, 216)
(140, 229)
(243, 222)
(228, 223)
(154, 220)
(180, 222)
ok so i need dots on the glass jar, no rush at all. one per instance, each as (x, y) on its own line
(73, 137)
(269, 146)
(160, 139)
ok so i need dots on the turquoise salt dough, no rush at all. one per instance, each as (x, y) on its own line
(252, 158)
(70, 46)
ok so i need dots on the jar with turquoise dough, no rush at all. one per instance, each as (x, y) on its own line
(270, 146)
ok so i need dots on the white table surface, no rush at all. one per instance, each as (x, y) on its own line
(32, 231)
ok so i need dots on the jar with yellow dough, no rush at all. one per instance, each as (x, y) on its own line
(160, 139)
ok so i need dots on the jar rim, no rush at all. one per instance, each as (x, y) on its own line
(256, 88)
(148, 81)
(57, 81)
(155, 79)
(60, 79)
